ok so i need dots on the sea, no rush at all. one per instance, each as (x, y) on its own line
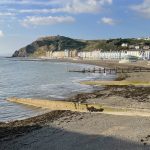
(25, 78)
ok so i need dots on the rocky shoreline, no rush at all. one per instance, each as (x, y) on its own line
(14, 129)
(130, 96)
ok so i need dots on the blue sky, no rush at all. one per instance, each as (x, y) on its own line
(22, 21)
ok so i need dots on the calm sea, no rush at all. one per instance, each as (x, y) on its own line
(38, 79)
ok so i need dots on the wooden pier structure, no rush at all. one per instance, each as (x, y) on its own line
(110, 70)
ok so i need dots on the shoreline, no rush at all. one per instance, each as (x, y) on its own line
(101, 63)
(49, 89)
(21, 128)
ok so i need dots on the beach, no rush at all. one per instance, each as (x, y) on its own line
(74, 75)
(62, 130)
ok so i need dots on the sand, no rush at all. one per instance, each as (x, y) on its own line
(85, 132)
(88, 131)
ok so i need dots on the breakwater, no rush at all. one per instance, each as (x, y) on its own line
(58, 105)
(81, 107)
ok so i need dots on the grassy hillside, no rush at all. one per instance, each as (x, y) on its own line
(60, 43)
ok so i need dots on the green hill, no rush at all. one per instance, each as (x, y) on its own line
(60, 43)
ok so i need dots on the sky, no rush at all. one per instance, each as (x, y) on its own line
(23, 21)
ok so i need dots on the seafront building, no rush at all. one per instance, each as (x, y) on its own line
(99, 55)
(61, 54)
(114, 54)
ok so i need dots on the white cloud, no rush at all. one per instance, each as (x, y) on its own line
(31, 16)
(108, 21)
(142, 8)
(7, 14)
(50, 20)
(25, 2)
(36, 11)
(68, 6)
(83, 6)
(1, 33)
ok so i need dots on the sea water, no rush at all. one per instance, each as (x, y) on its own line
(39, 79)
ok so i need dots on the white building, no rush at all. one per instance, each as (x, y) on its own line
(131, 47)
(148, 38)
(114, 55)
(137, 47)
(99, 55)
(124, 44)
(146, 47)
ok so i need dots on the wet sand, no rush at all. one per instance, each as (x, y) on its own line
(65, 130)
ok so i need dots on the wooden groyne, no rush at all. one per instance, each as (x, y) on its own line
(110, 70)
(81, 107)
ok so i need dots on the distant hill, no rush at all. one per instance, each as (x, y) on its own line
(60, 43)
(51, 43)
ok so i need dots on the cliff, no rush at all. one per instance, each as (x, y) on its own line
(51, 43)
(60, 43)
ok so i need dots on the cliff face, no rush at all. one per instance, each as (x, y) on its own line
(52, 43)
